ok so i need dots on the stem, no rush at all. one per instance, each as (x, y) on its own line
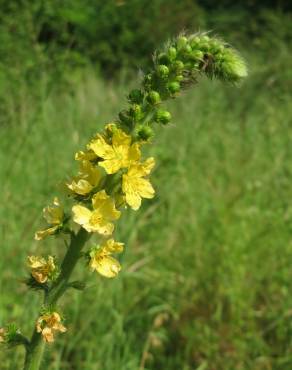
(35, 349)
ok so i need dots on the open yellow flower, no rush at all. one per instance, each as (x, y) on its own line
(88, 177)
(54, 216)
(120, 153)
(101, 260)
(99, 219)
(41, 269)
(135, 186)
(47, 324)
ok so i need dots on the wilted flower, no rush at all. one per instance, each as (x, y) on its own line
(47, 324)
(41, 269)
(54, 216)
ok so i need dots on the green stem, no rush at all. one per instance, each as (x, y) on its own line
(36, 346)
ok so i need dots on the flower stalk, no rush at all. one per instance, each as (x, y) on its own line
(114, 175)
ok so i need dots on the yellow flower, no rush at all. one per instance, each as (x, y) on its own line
(41, 269)
(54, 216)
(101, 260)
(88, 177)
(119, 154)
(47, 324)
(135, 186)
(99, 219)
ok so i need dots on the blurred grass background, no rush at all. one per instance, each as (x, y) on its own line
(206, 281)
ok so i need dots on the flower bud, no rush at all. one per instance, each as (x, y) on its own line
(162, 71)
(178, 65)
(136, 96)
(181, 42)
(162, 116)
(136, 112)
(186, 50)
(144, 133)
(197, 55)
(171, 53)
(173, 87)
(194, 42)
(179, 78)
(153, 97)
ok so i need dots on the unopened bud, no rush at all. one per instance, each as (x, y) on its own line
(173, 87)
(178, 65)
(153, 97)
(162, 71)
(162, 116)
(181, 42)
(171, 53)
(197, 55)
(144, 133)
(136, 112)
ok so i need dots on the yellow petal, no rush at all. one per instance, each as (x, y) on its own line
(108, 266)
(88, 155)
(134, 200)
(111, 166)
(134, 153)
(105, 205)
(81, 215)
(120, 138)
(101, 148)
(81, 187)
(39, 235)
(112, 246)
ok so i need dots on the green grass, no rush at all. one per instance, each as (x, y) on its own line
(206, 281)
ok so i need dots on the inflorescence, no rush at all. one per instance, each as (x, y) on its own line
(112, 171)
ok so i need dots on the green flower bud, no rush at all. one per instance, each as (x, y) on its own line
(136, 112)
(186, 50)
(153, 97)
(144, 133)
(162, 71)
(136, 96)
(197, 55)
(179, 78)
(171, 53)
(194, 42)
(205, 39)
(178, 65)
(173, 87)
(162, 116)
(181, 42)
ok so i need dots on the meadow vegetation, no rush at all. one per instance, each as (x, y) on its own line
(206, 276)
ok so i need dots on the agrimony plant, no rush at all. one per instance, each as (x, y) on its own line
(113, 175)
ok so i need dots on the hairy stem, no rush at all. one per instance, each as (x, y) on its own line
(36, 346)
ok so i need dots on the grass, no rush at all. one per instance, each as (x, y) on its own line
(207, 273)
